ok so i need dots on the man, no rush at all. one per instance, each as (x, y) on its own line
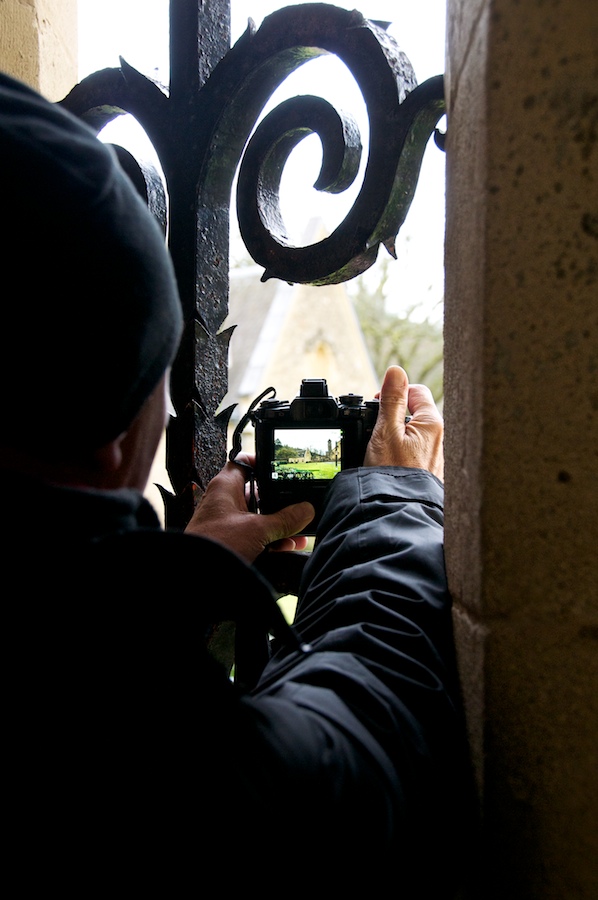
(134, 765)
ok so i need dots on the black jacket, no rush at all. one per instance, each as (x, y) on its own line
(133, 751)
(352, 755)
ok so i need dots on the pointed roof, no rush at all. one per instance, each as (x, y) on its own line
(286, 333)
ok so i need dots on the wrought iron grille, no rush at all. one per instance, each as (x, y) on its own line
(201, 128)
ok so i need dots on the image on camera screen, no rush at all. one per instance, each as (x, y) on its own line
(306, 454)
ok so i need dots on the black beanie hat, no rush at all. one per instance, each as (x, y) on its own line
(91, 317)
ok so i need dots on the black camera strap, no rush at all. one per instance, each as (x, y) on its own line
(273, 566)
(236, 446)
(238, 432)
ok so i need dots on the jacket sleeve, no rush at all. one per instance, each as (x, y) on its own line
(365, 726)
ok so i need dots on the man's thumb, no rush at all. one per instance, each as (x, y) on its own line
(292, 519)
(394, 394)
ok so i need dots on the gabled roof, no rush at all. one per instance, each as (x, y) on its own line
(285, 333)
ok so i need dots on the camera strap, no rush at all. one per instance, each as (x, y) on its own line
(238, 432)
(269, 565)
(236, 446)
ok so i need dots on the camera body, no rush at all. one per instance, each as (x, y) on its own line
(300, 446)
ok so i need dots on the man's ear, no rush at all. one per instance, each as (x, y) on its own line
(108, 459)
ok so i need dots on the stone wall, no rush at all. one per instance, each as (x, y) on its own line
(38, 44)
(521, 407)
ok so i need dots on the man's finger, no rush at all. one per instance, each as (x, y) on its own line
(421, 403)
(238, 466)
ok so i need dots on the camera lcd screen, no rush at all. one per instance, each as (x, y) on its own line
(306, 454)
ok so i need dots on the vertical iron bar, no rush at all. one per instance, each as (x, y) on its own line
(199, 243)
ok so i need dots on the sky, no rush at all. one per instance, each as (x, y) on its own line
(138, 31)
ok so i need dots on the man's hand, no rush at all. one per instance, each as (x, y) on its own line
(223, 516)
(417, 443)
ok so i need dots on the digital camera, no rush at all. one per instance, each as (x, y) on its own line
(300, 446)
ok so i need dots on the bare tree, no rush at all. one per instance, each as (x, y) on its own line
(406, 339)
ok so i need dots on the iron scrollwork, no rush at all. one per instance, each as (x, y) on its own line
(201, 128)
(401, 116)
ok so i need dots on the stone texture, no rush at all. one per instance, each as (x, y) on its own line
(521, 361)
(38, 44)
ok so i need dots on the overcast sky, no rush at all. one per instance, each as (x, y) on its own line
(138, 31)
